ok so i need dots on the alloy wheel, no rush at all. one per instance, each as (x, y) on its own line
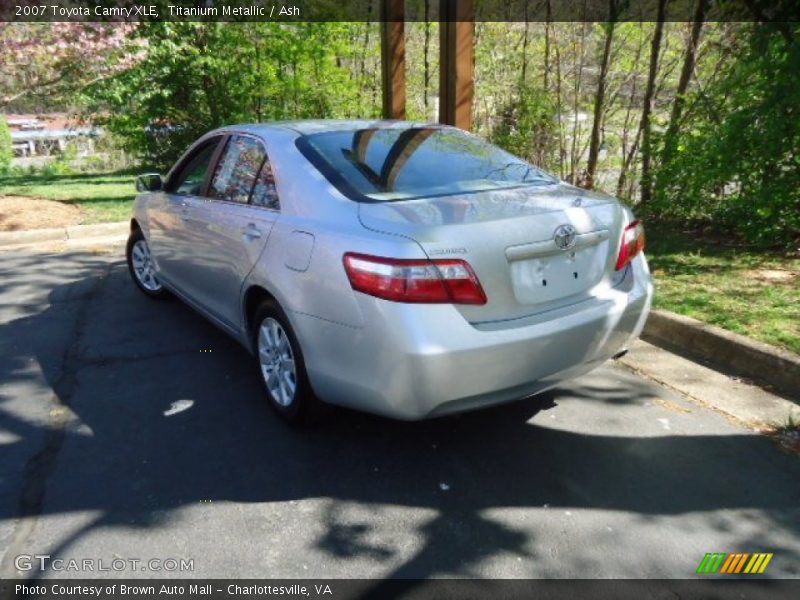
(143, 266)
(277, 362)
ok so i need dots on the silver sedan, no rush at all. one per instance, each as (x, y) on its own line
(404, 269)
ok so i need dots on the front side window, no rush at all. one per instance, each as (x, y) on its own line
(191, 176)
(401, 164)
(237, 170)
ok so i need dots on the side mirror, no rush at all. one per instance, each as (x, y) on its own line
(149, 182)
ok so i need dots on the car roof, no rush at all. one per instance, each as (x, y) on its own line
(309, 126)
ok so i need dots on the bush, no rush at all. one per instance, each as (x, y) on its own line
(6, 149)
(63, 164)
(527, 126)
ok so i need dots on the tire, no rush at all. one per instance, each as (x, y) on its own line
(140, 267)
(285, 383)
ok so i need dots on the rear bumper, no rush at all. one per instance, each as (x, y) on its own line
(416, 361)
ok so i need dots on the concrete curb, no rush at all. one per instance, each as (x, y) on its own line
(62, 234)
(731, 352)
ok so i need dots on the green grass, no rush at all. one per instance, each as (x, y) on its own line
(755, 293)
(102, 198)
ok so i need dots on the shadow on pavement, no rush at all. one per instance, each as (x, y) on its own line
(124, 361)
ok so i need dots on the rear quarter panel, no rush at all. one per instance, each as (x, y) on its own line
(309, 278)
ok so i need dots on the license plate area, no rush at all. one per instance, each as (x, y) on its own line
(540, 279)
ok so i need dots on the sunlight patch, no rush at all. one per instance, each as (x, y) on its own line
(178, 406)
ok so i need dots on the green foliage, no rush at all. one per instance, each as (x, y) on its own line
(527, 126)
(731, 161)
(6, 150)
(194, 77)
(57, 167)
(736, 161)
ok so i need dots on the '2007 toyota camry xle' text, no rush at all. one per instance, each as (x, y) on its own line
(403, 269)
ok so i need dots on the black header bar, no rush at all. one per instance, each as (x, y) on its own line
(369, 10)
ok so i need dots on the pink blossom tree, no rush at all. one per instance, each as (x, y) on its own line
(53, 61)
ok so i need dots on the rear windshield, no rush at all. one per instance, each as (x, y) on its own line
(378, 165)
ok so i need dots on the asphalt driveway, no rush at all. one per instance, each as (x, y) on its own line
(133, 429)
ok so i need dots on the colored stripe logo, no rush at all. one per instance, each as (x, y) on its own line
(733, 563)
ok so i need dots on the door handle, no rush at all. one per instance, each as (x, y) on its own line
(251, 232)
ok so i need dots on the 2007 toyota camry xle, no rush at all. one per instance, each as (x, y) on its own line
(403, 269)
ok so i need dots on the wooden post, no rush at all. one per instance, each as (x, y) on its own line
(456, 64)
(393, 59)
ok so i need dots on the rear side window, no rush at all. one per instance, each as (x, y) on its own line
(237, 169)
(265, 193)
(384, 164)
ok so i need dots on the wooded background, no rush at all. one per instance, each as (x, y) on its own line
(693, 123)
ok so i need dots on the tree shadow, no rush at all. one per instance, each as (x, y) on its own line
(124, 365)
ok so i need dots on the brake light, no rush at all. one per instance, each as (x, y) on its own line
(632, 243)
(421, 281)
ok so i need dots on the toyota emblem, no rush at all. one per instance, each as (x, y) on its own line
(564, 237)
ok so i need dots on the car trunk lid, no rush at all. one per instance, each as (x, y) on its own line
(533, 248)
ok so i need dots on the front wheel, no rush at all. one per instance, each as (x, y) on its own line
(141, 268)
(281, 366)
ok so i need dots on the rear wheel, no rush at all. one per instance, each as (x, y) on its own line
(281, 367)
(141, 267)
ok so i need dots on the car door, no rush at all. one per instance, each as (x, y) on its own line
(231, 225)
(171, 239)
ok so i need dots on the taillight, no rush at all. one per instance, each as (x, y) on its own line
(403, 280)
(632, 243)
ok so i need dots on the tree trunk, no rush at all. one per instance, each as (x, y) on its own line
(599, 103)
(576, 128)
(629, 151)
(525, 42)
(548, 15)
(562, 151)
(426, 53)
(689, 60)
(646, 184)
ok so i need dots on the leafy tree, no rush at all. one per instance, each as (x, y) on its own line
(736, 161)
(44, 64)
(199, 76)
